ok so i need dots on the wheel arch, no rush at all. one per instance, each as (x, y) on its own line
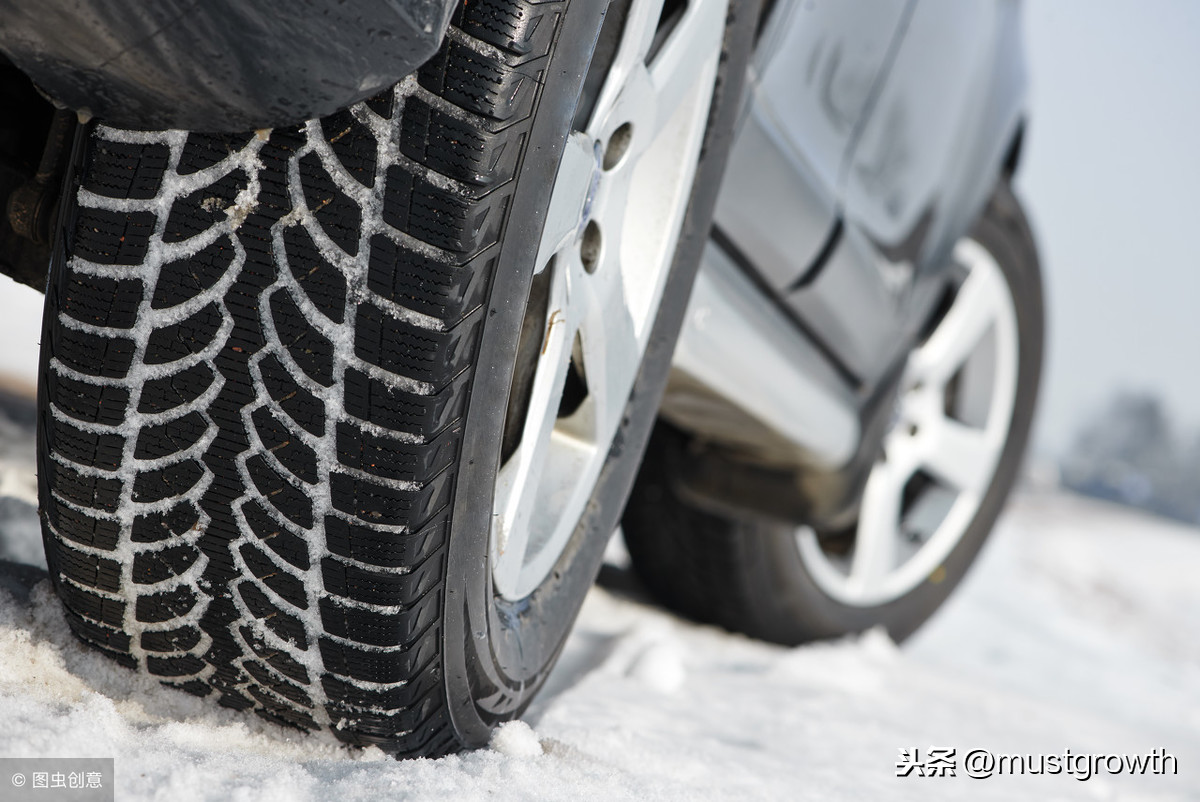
(219, 65)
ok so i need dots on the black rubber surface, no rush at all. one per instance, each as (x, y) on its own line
(258, 355)
(218, 65)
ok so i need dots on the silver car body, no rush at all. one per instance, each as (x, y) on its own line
(873, 134)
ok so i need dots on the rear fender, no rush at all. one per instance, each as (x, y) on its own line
(218, 65)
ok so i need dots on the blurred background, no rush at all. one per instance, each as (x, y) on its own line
(1110, 175)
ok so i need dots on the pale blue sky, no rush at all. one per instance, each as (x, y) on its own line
(1112, 179)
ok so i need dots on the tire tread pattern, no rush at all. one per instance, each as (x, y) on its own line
(259, 355)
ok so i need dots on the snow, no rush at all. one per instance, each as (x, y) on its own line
(517, 739)
(1077, 631)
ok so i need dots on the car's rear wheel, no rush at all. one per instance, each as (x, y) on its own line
(959, 427)
(336, 419)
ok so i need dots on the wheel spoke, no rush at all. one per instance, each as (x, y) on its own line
(970, 316)
(573, 186)
(960, 455)
(878, 526)
(687, 57)
(630, 58)
(648, 96)
(611, 351)
(519, 478)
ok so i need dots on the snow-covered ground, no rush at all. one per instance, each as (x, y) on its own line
(1078, 630)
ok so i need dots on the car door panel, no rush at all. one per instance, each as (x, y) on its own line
(772, 205)
(817, 66)
(818, 83)
(932, 146)
(864, 157)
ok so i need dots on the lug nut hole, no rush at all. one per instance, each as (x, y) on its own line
(618, 144)
(590, 247)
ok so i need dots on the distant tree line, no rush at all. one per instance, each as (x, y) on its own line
(1131, 453)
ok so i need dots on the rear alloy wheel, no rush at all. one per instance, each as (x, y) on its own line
(958, 431)
(338, 418)
(949, 428)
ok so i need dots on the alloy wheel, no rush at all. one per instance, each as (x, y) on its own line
(950, 425)
(609, 238)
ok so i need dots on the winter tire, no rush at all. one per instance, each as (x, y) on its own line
(299, 386)
(961, 422)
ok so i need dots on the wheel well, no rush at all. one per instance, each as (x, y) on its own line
(25, 128)
(1012, 156)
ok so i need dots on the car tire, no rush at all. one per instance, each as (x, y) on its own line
(275, 384)
(759, 576)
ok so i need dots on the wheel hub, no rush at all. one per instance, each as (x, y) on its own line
(608, 240)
